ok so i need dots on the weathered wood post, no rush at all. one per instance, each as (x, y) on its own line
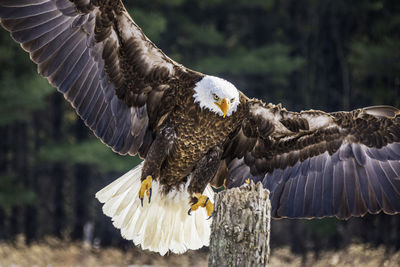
(241, 227)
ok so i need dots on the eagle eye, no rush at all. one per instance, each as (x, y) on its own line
(216, 98)
(233, 99)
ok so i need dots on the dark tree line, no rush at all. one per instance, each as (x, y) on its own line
(327, 54)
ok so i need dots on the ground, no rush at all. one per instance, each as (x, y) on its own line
(56, 253)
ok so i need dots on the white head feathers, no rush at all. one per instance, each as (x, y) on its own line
(208, 87)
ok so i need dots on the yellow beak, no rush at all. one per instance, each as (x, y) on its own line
(223, 105)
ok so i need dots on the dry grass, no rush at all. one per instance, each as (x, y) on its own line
(354, 255)
(55, 253)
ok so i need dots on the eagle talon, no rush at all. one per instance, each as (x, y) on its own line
(206, 202)
(145, 188)
(149, 194)
(202, 201)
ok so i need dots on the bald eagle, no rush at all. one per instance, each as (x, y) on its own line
(193, 130)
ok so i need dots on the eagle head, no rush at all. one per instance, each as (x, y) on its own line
(217, 95)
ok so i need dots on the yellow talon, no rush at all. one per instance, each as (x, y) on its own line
(145, 187)
(202, 201)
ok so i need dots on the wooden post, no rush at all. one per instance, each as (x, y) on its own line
(241, 227)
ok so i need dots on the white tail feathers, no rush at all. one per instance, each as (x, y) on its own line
(161, 226)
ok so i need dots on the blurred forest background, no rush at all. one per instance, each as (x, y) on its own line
(321, 54)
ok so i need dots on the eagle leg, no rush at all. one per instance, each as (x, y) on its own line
(155, 157)
(204, 202)
(145, 188)
(204, 172)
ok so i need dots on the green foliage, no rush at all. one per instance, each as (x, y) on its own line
(371, 59)
(265, 4)
(91, 152)
(322, 227)
(154, 3)
(153, 23)
(12, 195)
(20, 97)
(193, 34)
(22, 90)
(376, 70)
(271, 59)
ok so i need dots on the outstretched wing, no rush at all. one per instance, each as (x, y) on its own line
(317, 164)
(118, 81)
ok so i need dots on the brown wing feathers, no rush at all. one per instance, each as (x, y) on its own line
(99, 58)
(59, 40)
(317, 164)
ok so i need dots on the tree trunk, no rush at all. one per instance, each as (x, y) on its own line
(241, 226)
